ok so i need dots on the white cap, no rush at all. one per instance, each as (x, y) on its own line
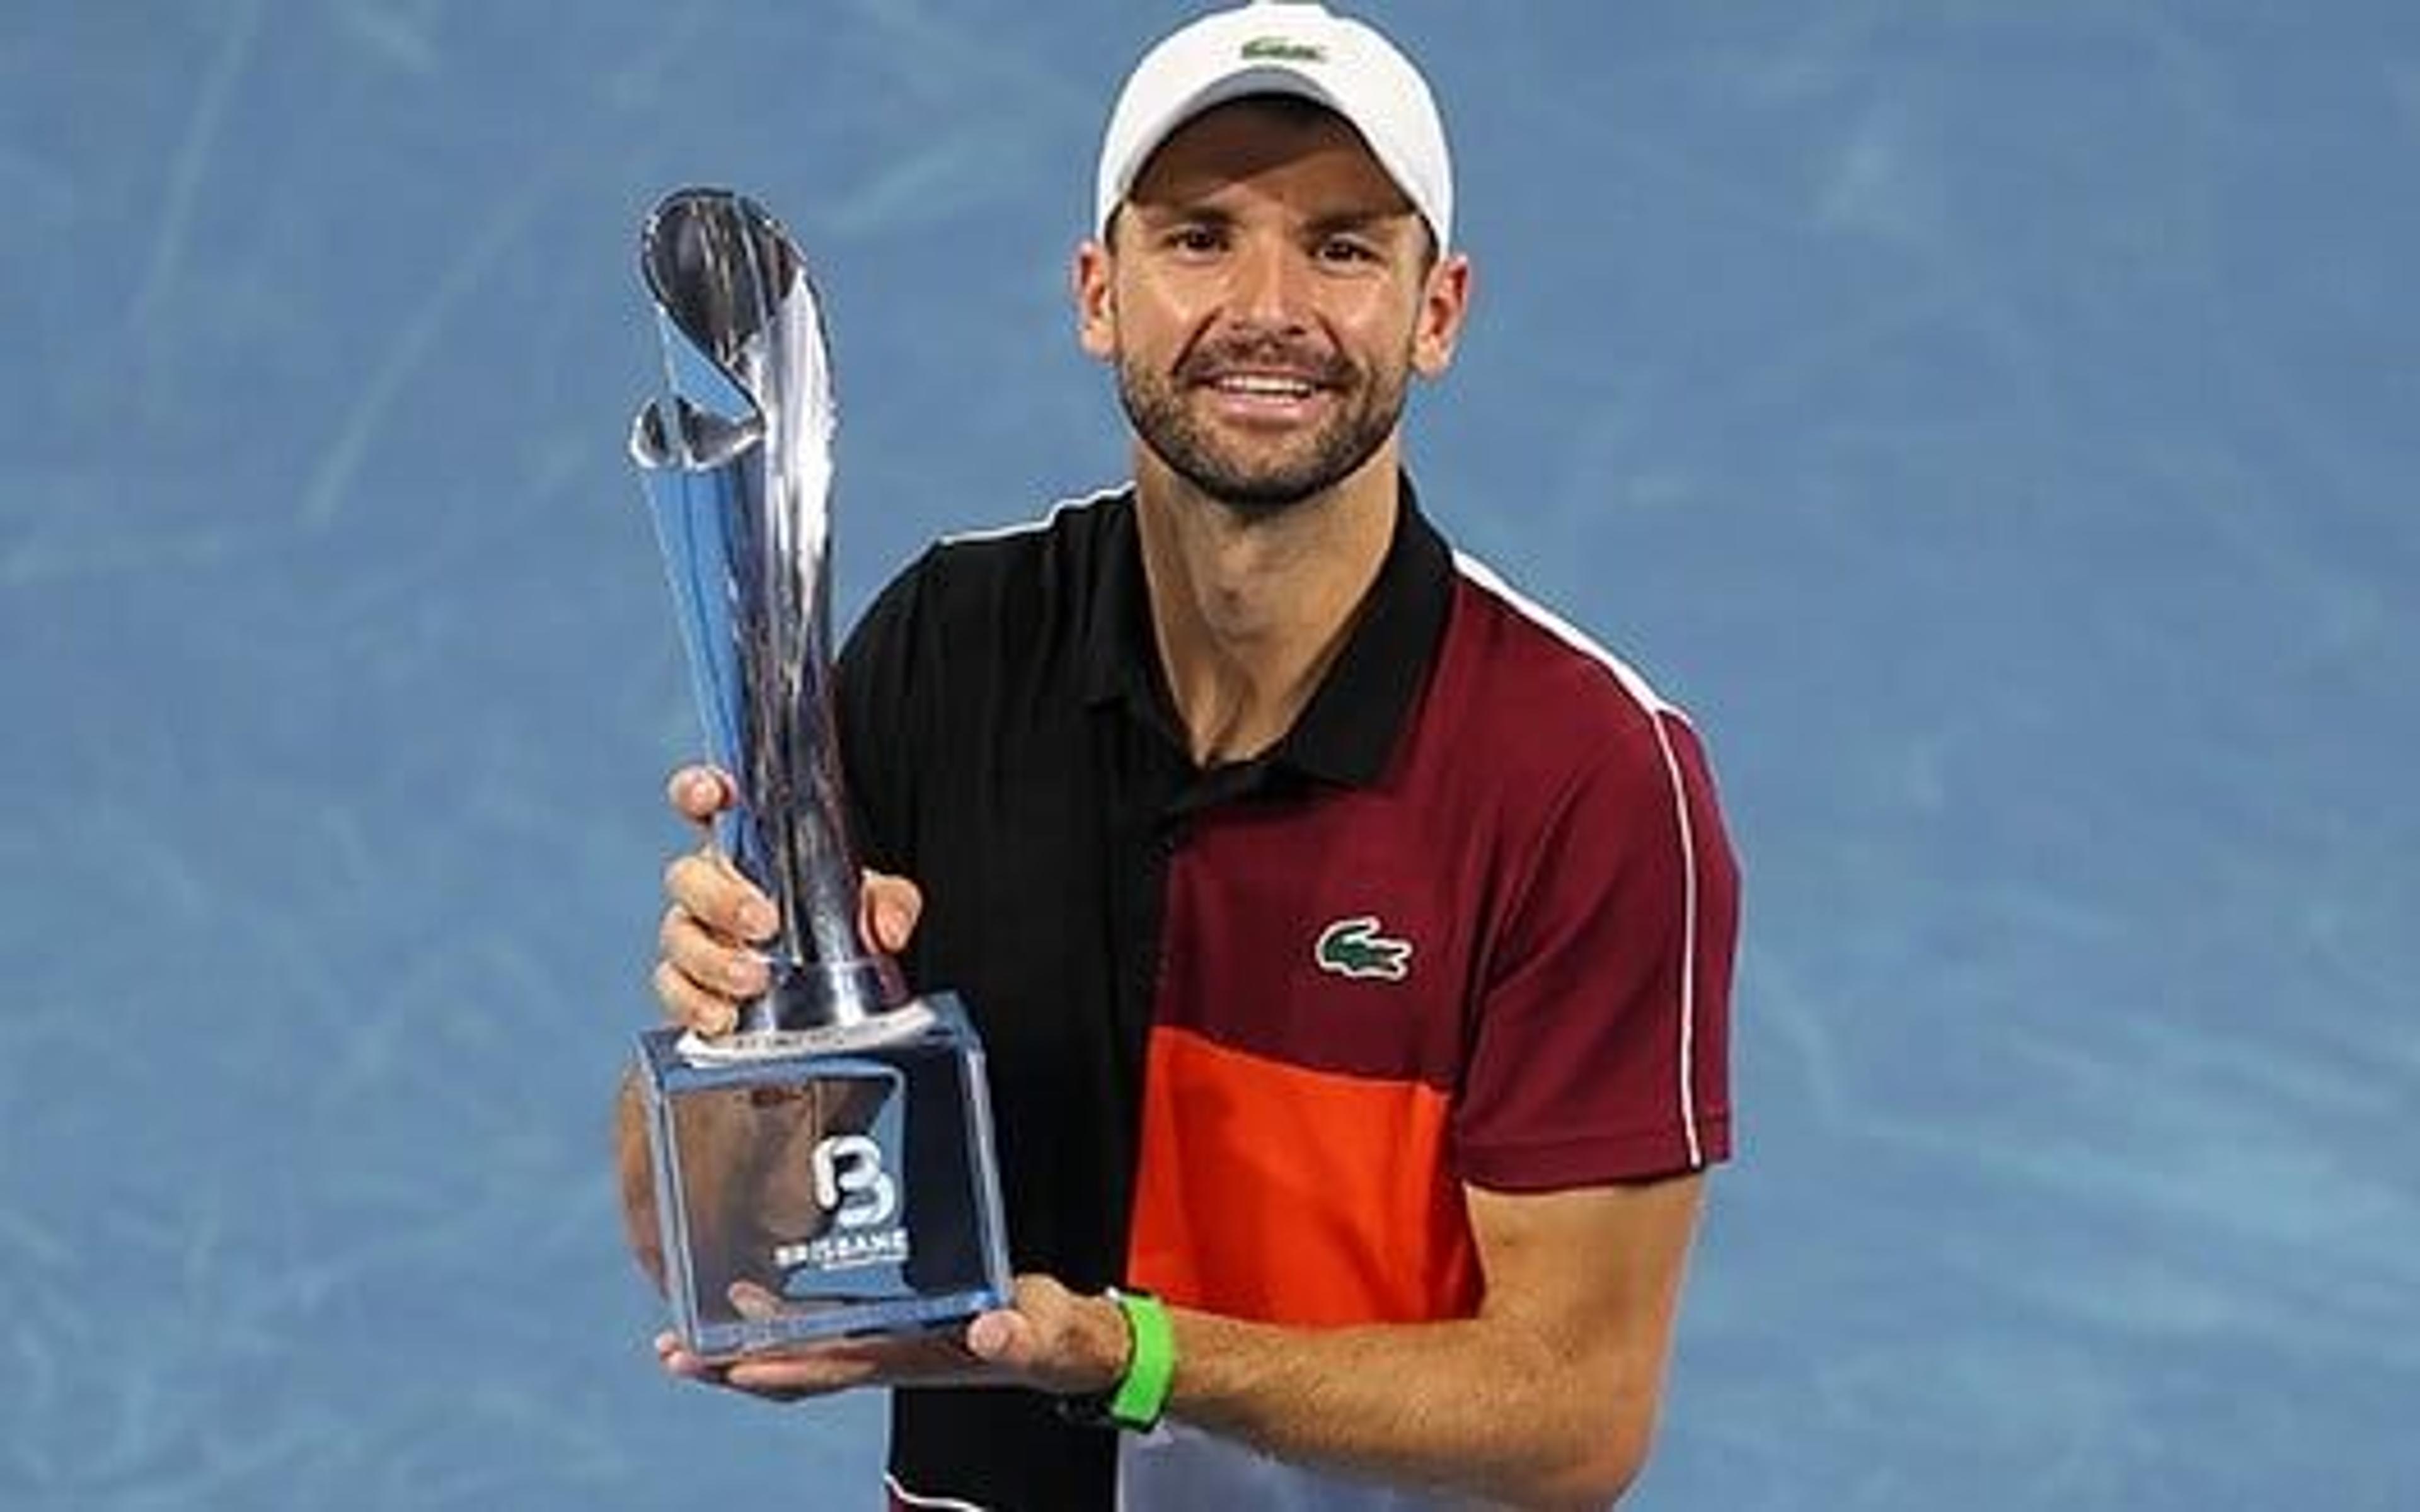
(1285, 47)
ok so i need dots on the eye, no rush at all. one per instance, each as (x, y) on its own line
(1196, 238)
(1348, 250)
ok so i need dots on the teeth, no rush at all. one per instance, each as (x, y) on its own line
(1255, 383)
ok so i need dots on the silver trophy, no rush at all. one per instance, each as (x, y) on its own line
(827, 1168)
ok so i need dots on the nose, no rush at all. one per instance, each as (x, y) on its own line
(1268, 288)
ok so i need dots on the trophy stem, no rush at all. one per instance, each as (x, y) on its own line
(813, 995)
(736, 457)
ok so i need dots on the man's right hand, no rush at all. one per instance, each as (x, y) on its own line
(709, 967)
(711, 933)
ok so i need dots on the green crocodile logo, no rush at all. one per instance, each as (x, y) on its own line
(1282, 49)
(1354, 948)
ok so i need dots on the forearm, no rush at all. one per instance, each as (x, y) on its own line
(635, 1178)
(1487, 1408)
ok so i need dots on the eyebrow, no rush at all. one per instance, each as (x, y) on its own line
(1359, 220)
(1200, 213)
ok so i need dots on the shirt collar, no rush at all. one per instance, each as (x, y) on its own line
(1346, 732)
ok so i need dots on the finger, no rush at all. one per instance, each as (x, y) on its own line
(680, 1362)
(902, 1359)
(677, 1361)
(752, 1301)
(713, 962)
(714, 892)
(814, 1369)
(788, 1377)
(699, 791)
(690, 1005)
(888, 909)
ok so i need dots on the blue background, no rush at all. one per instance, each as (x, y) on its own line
(1994, 420)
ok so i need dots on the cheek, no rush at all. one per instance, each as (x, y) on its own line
(1383, 316)
(1391, 336)
(1144, 320)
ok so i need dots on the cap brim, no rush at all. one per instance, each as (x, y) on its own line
(1262, 79)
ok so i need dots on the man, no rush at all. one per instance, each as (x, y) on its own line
(1350, 940)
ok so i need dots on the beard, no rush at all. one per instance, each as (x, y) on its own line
(1270, 476)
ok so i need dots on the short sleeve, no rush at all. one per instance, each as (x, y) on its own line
(1600, 1051)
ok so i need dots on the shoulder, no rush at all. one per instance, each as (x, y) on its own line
(1556, 706)
(1066, 540)
(996, 580)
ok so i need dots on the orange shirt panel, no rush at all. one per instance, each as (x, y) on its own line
(1286, 1195)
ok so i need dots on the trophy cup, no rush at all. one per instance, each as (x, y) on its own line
(826, 1168)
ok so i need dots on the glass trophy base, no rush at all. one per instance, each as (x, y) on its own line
(818, 1185)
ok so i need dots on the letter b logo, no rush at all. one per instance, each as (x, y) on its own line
(850, 1182)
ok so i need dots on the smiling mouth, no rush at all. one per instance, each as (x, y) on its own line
(1264, 386)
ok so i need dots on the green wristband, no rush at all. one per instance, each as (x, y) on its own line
(1141, 1394)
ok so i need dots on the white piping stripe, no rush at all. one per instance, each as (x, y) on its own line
(1658, 709)
(1000, 533)
(942, 1503)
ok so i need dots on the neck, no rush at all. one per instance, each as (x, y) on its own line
(1250, 608)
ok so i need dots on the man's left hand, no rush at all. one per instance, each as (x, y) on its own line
(1048, 1339)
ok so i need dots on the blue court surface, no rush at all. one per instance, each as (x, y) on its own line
(1997, 421)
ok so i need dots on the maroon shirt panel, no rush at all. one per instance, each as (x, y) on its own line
(1599, 1041)
(1525, 843)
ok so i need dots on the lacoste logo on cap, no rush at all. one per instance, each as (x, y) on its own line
(1282, 49)
(1354, 948)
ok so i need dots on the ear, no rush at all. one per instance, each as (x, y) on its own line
(1444, 301)
(1097, 321)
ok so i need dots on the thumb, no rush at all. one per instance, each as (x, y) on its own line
(1002, 1338)
(699, 792)
(888, 908)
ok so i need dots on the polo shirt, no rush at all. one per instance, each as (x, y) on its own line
(1249, 1029)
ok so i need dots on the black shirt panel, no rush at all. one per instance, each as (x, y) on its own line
(1028, 812)
(1024, 813)
(873, 692)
